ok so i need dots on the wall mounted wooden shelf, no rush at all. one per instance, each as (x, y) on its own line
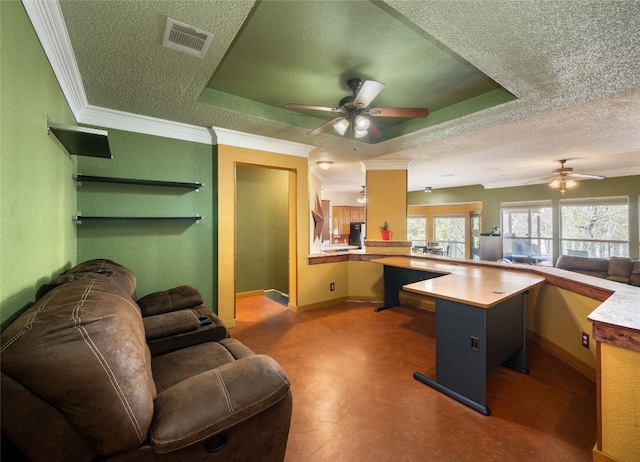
(81, 141)
(79, 177)
(79, 218)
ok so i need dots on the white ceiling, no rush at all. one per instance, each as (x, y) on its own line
(572, 64)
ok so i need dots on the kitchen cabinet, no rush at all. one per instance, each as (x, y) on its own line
(343, 216)
(357, 214)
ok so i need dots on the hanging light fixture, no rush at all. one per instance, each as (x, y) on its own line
(363, 198)
(563, 183)
(324, 164)
(362, 123)
(360, 133)
(341, 127)
(563, 178)
(361, 126)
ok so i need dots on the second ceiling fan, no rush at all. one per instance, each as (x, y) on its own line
(355, 109)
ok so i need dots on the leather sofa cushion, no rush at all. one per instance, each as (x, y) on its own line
(216, 400)
(176, 366)
(71, 349)
(167, 324)
(122, 276)
(40, 430)
(620, 269)
(174, 299)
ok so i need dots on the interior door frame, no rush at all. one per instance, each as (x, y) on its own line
(228, 157)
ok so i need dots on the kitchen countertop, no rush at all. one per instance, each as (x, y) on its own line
(338, 248)
(615, 321)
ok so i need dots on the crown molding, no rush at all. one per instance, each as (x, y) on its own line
(119, 120)
(382, 164)
(259, 142)
(48, 23)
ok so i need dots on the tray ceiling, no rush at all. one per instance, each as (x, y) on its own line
(512, 86)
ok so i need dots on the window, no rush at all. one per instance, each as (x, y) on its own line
(595, 227)
(449, 233)
(527, 232)
(417, 230)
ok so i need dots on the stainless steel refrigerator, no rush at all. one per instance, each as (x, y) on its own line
(490, 247)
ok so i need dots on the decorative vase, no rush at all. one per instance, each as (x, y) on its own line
(386, 234)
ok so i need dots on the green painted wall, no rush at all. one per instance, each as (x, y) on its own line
(165, 253)
(37, 196)
(262, 255)
(491, 199)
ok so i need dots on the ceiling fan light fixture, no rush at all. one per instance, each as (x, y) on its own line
(570, 183)
(341, 127)
(555, 183)
(360, 133)
(324, 164)
(356, 110)
(362, 123)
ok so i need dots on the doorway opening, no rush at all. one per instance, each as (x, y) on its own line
(262, 231)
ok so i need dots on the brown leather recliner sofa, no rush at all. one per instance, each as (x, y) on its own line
(619, 269)
(79, 381)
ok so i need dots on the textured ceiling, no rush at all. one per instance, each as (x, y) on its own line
(298, 52)
(572, 65)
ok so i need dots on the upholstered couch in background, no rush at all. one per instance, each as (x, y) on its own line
(79, 381)
(619, 269)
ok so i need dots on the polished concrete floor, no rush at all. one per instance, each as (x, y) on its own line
(355, 398)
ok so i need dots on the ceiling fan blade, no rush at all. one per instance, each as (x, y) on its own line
(373, 131)
(312, 108)
(408, 112)
(369, 90)
(546, 179)
(324, 126)
(585, 176)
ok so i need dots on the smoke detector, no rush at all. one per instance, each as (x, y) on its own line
(186, 39)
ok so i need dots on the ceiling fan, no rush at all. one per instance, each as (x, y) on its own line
(564, 178)
(355, 108)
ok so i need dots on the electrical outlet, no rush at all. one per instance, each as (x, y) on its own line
(332, 286)
(585, 340)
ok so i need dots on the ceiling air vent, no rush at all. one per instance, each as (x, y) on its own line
(185, 38)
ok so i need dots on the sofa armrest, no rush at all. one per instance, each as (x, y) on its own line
(209, 328)
(174, 299)
(213, 401)
(167, 324)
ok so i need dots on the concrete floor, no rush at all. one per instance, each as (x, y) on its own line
(355, 398)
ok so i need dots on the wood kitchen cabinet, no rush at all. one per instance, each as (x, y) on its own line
(343, 216)
(357, 214)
